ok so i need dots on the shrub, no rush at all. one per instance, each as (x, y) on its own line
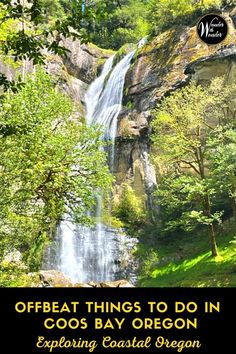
(130, 209)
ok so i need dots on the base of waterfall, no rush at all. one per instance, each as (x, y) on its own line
(100, 254)
(56, 279)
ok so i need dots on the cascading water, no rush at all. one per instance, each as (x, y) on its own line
(95, 89)
(87, 254)
(109, 102)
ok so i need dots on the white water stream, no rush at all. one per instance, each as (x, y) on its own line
(90, 254)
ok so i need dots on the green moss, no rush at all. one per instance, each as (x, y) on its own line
(35, 254)
(105, 52)
(10, 62)
(130, 104)
(100, 62)
(112, 221)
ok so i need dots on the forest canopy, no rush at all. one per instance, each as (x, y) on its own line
(127, 21)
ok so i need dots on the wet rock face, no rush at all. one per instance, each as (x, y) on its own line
(132, 165)
(83, 60)
(166, 63)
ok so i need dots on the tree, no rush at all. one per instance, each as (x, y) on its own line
(182, 127)
(52, 10)
(130, 209)
(222, 159)
(123, 22)
(164, 14)
(50, 165)
(40, 26)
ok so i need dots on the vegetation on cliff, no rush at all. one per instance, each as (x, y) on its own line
(165, 14)
(127, 21)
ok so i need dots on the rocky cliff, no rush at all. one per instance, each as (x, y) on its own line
(73, 72)
(164, 64)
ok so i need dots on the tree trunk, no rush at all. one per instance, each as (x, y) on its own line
(212, 235)
(214, 251)
(234, 209)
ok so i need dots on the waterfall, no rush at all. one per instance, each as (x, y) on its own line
(95, 89)
(108, 102)
(90, 254)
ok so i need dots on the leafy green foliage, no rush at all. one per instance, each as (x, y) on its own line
(49, 10)
(122, 22)
(222, 159)
(130, 209)
(149, 262)
(30, 28)
(51, 163)
(30, 38)
(14, 274)
(164, 14)
(186, 133)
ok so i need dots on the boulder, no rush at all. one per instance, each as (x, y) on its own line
(116, 284)
(83, 285)
(14, 256)
(105, 284)
(54, 278)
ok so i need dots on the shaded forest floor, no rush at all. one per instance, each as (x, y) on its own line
(180, 261)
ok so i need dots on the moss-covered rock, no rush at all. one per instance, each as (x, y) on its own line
(164, 63)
